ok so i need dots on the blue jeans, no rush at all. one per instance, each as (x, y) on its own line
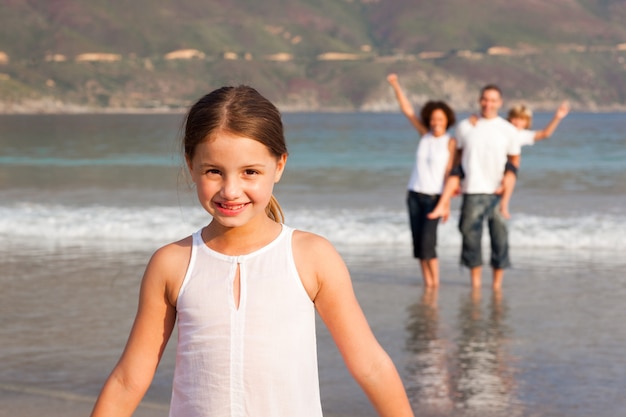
(423, 229)
(474, 210)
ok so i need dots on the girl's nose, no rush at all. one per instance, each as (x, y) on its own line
(231, 188)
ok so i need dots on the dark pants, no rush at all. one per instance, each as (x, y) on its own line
(477, 208)
(423, 229)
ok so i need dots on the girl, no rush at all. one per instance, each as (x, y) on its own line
(244, 288)
(433, 161)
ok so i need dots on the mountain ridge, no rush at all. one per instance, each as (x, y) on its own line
(325, 55)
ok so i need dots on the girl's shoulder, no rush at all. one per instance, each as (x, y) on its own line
(316, 260)
(174, 252)
(169, 264)
(311, 242)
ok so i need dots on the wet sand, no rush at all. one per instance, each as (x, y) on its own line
(28, 402)
(550, 344)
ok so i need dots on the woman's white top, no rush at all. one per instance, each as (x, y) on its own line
(259, 359)
(431, 161)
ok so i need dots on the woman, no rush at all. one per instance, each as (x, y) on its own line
(434, 159)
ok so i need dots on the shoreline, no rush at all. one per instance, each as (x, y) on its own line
(51, 107)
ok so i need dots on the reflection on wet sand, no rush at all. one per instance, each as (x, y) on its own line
(474, 378)
(484, 377)
(429, 385)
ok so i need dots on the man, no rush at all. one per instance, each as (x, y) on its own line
(484, 150)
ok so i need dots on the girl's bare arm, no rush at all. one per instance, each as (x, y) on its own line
(328, 282)
(153, 325)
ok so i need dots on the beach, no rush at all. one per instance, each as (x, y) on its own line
(523, 352)
(85, 201)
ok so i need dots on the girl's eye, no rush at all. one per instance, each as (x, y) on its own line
(251, 172)
(212, 171)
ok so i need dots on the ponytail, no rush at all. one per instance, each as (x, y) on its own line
(274, 211)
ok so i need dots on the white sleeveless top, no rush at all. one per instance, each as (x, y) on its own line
(256, 360)
(431, 161)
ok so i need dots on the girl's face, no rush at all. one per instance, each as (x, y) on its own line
(235, 177)
(438, 122)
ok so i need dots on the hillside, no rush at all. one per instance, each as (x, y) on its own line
(322, 55)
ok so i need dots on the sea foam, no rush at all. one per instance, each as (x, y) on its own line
(99, 224)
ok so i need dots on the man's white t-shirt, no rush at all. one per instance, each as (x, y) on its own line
(485, 149)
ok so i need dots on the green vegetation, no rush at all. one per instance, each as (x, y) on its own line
(441, 49)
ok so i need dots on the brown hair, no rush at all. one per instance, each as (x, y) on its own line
(431, 106)
(522, 112)
(490, 87)
(239, 110)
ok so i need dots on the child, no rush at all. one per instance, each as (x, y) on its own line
(244, 288)
(433, 162)
(521, 117)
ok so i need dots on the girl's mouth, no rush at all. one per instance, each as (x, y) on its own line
(231, 207)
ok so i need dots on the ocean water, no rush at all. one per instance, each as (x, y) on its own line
(85, 199)
(120, 177)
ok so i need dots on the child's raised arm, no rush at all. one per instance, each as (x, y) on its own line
(154, 322)
(327, 280)
(405, 105)
(559, 115)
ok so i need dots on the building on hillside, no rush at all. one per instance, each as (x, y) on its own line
(338, 56)
(97, 57)
(55, 58)
(279, 57)
(185, 54)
